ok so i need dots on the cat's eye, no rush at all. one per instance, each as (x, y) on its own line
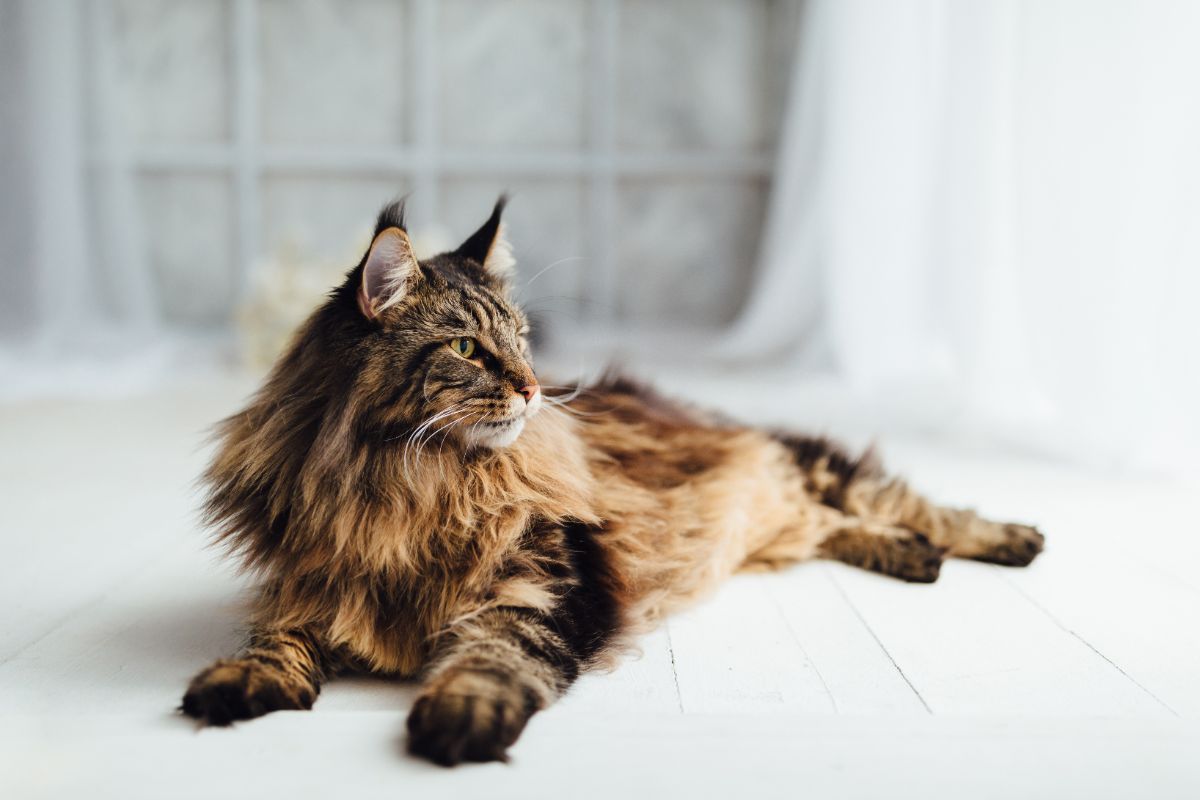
(463, 346)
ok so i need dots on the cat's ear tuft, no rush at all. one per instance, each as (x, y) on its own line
(388, 273)
(489, 246)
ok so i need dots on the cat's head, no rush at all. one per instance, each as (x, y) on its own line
(442, 343)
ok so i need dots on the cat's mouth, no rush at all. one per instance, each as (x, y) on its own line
(503, 431)
(495, 433)
(500, 424)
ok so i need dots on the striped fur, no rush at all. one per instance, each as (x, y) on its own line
(391, 533)
(276, 670)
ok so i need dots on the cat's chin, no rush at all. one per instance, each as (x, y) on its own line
(495, 436)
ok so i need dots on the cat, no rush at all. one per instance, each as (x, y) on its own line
(416, 504)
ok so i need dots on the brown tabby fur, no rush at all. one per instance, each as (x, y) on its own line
(497, 574)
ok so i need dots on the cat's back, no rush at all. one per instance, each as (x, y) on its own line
(686, 495)
(660, 443)
(654, 440)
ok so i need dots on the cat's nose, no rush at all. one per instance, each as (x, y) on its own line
(529, 392)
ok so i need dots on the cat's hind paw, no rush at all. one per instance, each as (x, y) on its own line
(1018, 546)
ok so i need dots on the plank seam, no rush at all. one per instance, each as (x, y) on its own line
(796, 638)
(674, 672)
(836, 585)
(1032, 601)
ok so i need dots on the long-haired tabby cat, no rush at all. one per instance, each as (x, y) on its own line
(415, 504)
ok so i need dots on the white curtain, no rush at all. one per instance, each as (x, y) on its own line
(41, 154)
(986, 221)
(76, 294)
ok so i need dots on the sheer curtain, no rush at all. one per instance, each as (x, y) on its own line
(76, 296)
(41, 155)
(987, 221)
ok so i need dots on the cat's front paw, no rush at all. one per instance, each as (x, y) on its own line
(1019, 545)
(241, 689)
(472, 717)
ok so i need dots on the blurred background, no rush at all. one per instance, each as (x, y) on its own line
(973, 223)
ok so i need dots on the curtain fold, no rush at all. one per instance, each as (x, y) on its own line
(46, 254)
(783, 310)
(78, 308)
(986, 221)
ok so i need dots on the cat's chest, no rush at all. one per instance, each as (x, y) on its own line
(390, 619)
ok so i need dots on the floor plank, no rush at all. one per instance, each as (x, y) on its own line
(1143, 624)
(91, 492)
(854, 668)
(734, 652)
(1058, 681)
(642, 681)
(135, 647)
(970, 644)
(303, 755)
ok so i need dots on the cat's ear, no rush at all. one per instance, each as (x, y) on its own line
(488, 245)
(389, 272)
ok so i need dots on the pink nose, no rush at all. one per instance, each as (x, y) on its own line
(528, 392)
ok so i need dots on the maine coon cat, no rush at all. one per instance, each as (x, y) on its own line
(415, 504)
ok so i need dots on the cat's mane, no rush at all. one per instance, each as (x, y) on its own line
(298, 485)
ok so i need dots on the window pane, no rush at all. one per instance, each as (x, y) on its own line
(512, 73)
(323, 222)
(333, 72)
(171, 68)
(693, 74)
(189, 229)
(686, 249)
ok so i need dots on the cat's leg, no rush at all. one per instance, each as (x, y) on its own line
(889, 549)
(858, 486)
(495, 667)
(276, 670)
(962, 532)
(492, 674)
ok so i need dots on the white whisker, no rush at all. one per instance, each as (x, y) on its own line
(417, 432)
(546, 269)
(421, 442)
(562, 406)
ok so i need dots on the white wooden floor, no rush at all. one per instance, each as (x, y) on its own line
(1078, 677)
